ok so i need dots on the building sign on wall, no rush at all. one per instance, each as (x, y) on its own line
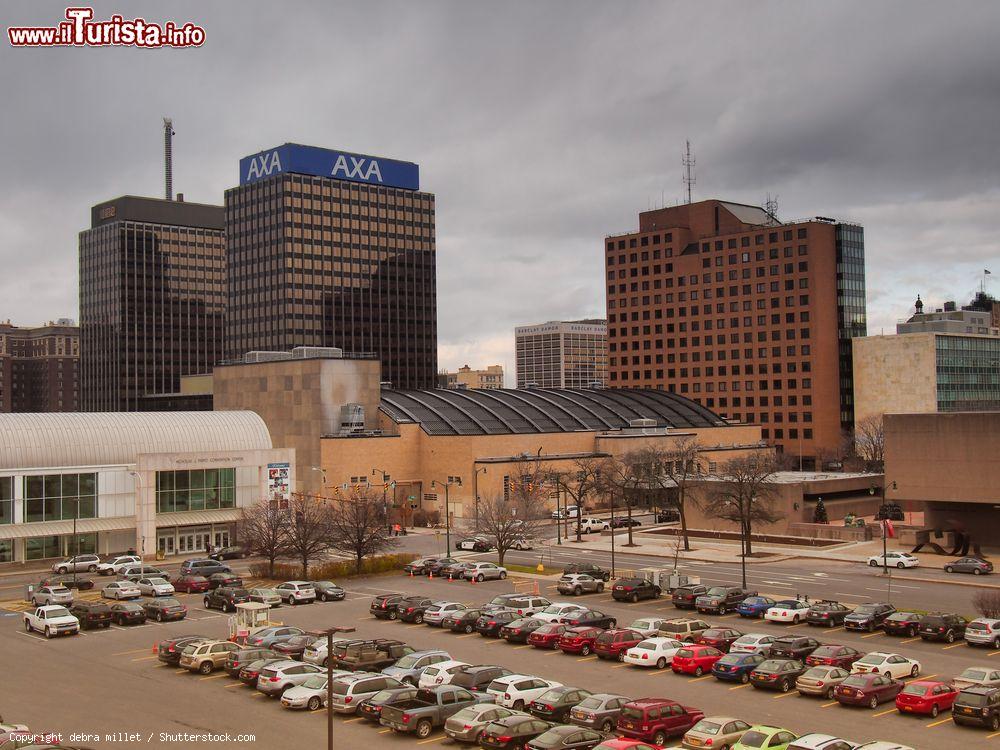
(277, 483)
(323, 162)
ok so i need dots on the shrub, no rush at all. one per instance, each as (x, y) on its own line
(987, 603)
(333, 570)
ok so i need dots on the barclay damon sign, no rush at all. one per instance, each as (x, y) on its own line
(322, 162)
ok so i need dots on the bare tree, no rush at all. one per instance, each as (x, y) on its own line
(579, 481)
(309, 532)
(676, 467)
(510, 520)
(745, 494)
(869, 442)
(987, 603)
(625, 477)
(358, 526)
(264, 528)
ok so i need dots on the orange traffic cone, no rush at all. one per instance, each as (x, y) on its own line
(473, 579)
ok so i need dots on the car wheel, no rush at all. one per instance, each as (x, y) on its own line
(795, 620)
(322, 597)
(900, 565)
(873, 563)
(62, 570)
(744, 678)
(722, 611)
(91, 568)
(48, 632)
(418, 618)
(518, 705)
(206, 667)
(480, 578)
(934, 711)
(292, 601)
(832, 624)
(912, 632)
(105, 624)
(977, 572)
(621, 655)
(393, 615)
(871, 627)
(577, 591)
(634, 598)
(27, 626)
(950, 637)
(995, 723)
(661, 663)
(873, 701)
(948, 569)
(830, 694)
(914, 670)
(159, 617)
(503, 574)
(888, 675)
(659, 738)
(585, 650)
(206, 603)
(424, 729)
(313, 703)
(698, 672)
(600, 588)
(996, 643)
(607, 726)
(785, 686)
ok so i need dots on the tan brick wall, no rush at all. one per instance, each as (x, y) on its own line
(894, 375)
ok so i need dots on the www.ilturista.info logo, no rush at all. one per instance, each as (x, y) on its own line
(80, 30)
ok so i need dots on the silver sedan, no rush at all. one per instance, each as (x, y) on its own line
(121, 590)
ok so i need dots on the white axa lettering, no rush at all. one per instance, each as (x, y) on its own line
(264, 165)
(357, 169)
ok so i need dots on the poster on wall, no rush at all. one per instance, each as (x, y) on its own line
(277, 484)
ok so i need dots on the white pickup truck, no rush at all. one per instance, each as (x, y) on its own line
(52, 620)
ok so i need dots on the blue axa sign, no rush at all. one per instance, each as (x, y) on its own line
(324, 162)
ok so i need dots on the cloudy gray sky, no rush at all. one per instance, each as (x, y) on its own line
(540, 126)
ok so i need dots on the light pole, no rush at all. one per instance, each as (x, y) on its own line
(475, 488)
(885, 541)
(140, 515)
(611, 495)
(385, 488)
(328, 634)
(447, 513)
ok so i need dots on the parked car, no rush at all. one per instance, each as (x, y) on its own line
(793, 647)
(191, 584)
(548, 636)
(206, 656)
(722, 599)
(983, 631)
(114, 565)
(684, 597)
(232, 552)
(77, 563)
(490, 625)
(833, 655)
(614, 642)
(777, 674)
(434, 569)
(46, 595)
(670, 515)
(243, 656)
(462, 621)
(517, 631)
(821, 680)
(970, 677)
(155, 587)
(890, 665)
(512, 732)
(169, 651)
(867, 690)
(827, 613)
(576, 640)
(598, 711)
(647, 627)
(429, 709)
(270, 597)
(328, 591)
(440, 673)
(559, 611)
(204, 567)
(311, 694)
(266, 637)
(568, 737)
(419, 566)
(456, 571)
(594, 525)
(943, 626)
(524, 604)
(434, 614)
(468, 724)
(482, 571)
(215, 580)
(165, 609)
(755, 606)
(594, 618)
(570, 511)
(91, 614)
(370, 709)
(127, 613)
(720, 638)
(926, 697)
(249, 674)
(695, 660)
(788, 610)
(294, 647)
(517, 691)
(370, 655)
(579, 583)
(474, 544)
(975, 565)
(894, 560)
(72, 581)
(135, 572)
(555, 704)
(902, 623)
(318, 652)
(868, 616)
(715, 732)
(296, 592)
(655, 652)
(753, 643)
(411, 608)
(683, 629)
(121, 590)
(225, 598)
(477, 677)
(978, 706)
(588, 568)
(737, 667)
(761, 736)
(277, 677)
(383, 607)
(634, 589)
(656, 719)
(349, 691)
(623, 522)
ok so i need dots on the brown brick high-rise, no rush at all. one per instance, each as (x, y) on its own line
(722, 303)
(40, 367)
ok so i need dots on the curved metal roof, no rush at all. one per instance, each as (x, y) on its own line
(114, 438)
(533, 410)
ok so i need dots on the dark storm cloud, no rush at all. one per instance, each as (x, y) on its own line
(541, 127)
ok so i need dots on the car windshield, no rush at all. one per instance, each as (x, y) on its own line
(974, 674)
(788, 604)
(866, 609)
(856, 681)
(753, 738)
(156, 581)
(188, 650)
(902, 616)
(977, 626)
(706, 727)
(631, 712)
(590, 703)
(316, 682)
(871, 659)
(549, 629)
(827, 651)
(409, 661)
(673, 627)
(555, 609)
(933, 621)
(464, 716)
(972, 699)
(912, 689)
(57, 612)
(169, 603)
(552, 738)
(325, 584)
(771, 665)
(646, 646)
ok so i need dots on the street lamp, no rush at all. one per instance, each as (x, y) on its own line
(884, 517)
(328, 634)
(385, 488)
(475, 489)
(447, 513)
(139, 515)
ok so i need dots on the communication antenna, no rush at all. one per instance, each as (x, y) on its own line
(168, 156)
(687, 159)
(771, 206)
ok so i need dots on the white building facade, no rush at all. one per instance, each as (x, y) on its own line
(172, 482)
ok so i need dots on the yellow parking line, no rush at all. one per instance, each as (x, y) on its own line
(991, 736)
(831, 703)
(468, 635)
(911, 640)
(993, 653)
(384, 731)
(871, 635)
(553, 653)
(522, 647)
(133, 651)
(179, 671)
(954, 645)
(740, 687)
(925, 676)
(661, 671)
(834, 630)
(785, 695)
(621, 666)
(938, 723)
(587, 658)
(439, 738)
(883, 713)
(699, 679)
(349, 721)
(494, 642)
(214, 676)
(143, 658)
(237, 684)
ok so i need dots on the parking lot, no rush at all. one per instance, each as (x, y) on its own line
(118, 665)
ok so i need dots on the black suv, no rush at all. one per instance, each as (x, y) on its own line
(411, 608)
(827, 613)
(868, 616)
(942, 626)
(478, 677)
(979, 706)
(594, 571)
(225, 598)
(634, 589)
(684, 596)
(384, 607)
(488, 625)
(722, 599)
(793, 647)
(91, 614)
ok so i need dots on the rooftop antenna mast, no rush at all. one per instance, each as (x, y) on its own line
(771, 206)
(168, 156)
(687, 159)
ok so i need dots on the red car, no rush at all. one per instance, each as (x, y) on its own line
(868, 689)
(695, 660)
(834, 655)
(926, 697)
(612, 644)
(579, 640)
(620, 743)
(656, 719)
(720, 638)
(191, 584)
(547, 636)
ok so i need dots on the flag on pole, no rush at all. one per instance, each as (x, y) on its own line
(987, 271)
(890, 530)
